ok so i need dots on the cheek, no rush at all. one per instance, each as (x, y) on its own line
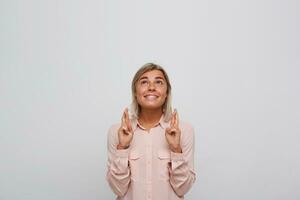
(164, 94)
(139, 94)
(138, 91)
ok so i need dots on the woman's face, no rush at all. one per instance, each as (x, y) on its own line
(151, 90)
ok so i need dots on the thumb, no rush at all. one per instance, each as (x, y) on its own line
(168, 130)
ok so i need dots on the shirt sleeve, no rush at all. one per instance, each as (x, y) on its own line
(182, 174)
(118, 172)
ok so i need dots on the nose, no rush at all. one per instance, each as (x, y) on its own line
(151, 86)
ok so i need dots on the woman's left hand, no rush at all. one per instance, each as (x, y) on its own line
(173, 134)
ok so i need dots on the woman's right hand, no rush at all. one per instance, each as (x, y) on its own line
(125, 132)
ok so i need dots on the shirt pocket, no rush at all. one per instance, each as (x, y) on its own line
(134, 157)
(164, 160)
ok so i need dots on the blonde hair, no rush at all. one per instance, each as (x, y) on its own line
(135, 107)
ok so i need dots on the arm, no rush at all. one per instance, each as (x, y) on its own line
(118, 172)
(182, 175)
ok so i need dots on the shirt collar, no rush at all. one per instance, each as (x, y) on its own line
(135, 123)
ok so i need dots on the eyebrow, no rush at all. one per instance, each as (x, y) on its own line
(157, 77)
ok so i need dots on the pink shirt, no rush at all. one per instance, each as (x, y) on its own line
(148, 170)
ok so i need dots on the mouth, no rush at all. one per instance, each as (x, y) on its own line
(151, 97)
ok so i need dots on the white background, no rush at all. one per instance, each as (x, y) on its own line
(66, 68)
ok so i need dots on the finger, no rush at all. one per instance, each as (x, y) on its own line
(123, 119)
(124, 128)
(171, 131)
(129, 125)
(176, 119)
(127, 115)
(127, 120)
(168, 129)
(172, 119)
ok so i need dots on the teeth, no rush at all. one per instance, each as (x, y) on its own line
(151, 97)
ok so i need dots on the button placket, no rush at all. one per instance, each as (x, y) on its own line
(149, 165)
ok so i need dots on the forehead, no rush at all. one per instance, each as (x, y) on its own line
(153, 74)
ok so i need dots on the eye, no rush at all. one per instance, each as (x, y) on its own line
(159, 82)
(143, 82)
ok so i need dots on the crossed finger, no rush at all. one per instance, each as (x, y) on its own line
(175, 119)
(127, 120)
(126, 125)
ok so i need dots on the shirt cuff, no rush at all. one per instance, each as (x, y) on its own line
(177, 156)
(123, 153)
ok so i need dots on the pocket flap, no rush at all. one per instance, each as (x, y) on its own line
(163, 154)
(133, 155)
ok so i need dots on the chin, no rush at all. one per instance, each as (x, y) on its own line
(151, 106)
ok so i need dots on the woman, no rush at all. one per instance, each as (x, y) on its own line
(151, 153)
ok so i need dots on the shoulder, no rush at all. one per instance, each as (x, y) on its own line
(187, 131)
(113, 130)
(186, 126)
(114, 127)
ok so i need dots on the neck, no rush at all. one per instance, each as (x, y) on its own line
(150, 117)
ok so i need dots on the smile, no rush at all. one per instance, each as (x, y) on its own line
(151, 97)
